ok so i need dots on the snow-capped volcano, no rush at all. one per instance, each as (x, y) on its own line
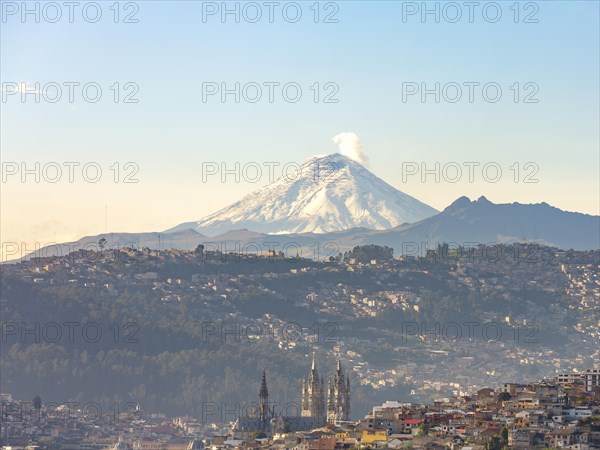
(329, 193)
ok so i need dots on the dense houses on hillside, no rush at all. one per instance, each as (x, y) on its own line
(563, 412)
(426, 354)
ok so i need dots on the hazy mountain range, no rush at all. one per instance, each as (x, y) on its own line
(337, 204)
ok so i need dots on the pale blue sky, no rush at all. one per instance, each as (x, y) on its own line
(368, 54)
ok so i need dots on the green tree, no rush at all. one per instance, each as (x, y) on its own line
(37, 403)
(504, 396)
(365, 253)
(494, 444)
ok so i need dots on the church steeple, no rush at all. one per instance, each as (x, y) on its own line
(263, 392)
(313, 398)
(338, 401)
(264, 412)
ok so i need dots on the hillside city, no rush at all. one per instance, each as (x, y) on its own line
(445, 324)
(299, 225)
(561, 412)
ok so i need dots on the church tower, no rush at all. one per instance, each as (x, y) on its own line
(265, 414)
(313, 400)
(338, 397)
